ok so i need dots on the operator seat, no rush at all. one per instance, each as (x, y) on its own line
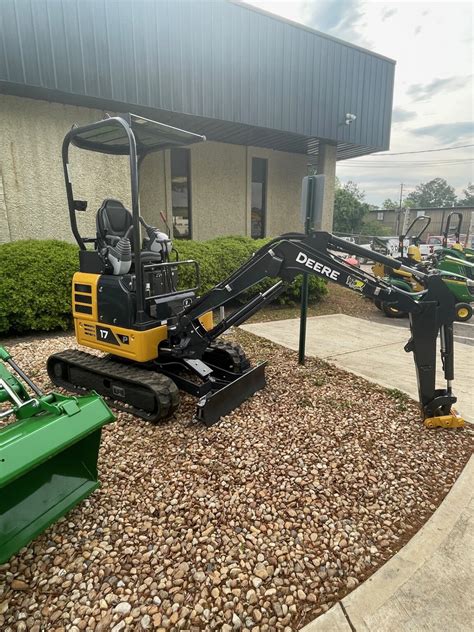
(112, 222)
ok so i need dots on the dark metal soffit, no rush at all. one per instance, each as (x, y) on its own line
(214, 129)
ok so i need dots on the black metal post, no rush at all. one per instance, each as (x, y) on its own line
(312, 211)
(303, 317)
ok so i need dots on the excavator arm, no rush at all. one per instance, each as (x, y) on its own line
(431, 311)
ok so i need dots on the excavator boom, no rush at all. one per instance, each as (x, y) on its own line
(431, 314)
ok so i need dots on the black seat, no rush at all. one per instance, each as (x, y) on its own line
(112, 222)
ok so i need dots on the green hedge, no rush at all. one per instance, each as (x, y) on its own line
(218, 258)
(35, 278)
(35, 285)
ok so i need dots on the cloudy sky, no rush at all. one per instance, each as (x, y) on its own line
(432, 43)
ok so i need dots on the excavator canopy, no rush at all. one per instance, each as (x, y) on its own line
(110, 136)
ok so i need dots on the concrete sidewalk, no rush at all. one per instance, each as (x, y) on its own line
(427, 586)
(372, 350)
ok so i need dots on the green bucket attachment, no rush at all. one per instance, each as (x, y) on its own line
(48, 456)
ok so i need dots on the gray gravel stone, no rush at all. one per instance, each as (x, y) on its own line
(277, 510)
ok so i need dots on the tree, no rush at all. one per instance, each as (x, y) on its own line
(349, 208)
(390, 205)
(436, 193)
(468, 199)
(374, 227)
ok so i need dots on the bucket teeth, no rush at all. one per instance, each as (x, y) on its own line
(445, 421)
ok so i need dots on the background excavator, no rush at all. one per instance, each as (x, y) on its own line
(160, 337)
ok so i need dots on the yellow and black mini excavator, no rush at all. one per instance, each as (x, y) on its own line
(160, 337)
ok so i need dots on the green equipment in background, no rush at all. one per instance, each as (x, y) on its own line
(457, 274)
(455, 258)
(457, 249)
(48, 455)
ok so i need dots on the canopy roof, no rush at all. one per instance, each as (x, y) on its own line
(109, 136)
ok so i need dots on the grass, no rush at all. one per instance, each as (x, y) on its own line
(400, 398)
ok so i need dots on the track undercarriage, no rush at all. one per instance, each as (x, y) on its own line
(221, 381)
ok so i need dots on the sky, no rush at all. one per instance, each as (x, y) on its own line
(433, 107)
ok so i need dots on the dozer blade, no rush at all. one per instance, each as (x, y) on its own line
(48, 463)
(218, 403)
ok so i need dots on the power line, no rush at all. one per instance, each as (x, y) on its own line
(425, 151)
(437, 166)
(426, 161)
(408, 163)
(451, 164)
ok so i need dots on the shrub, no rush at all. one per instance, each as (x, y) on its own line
(35, 278)
(35, 285)
(219, 257)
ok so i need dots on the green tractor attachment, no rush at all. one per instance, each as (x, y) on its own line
(48, 455)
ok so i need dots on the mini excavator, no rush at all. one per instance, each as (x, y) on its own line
(160, 337)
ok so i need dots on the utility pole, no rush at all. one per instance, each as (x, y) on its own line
(401, 195)
(399, 209)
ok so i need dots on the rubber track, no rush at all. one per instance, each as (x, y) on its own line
(165, 391)
(236, 354)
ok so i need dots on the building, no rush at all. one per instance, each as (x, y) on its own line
(270, 96)
(396, 220)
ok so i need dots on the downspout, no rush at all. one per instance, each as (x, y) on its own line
(4, 208)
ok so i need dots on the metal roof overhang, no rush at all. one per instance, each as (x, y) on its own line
(213, 129)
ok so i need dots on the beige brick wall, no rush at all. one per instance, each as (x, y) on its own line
(155, 188)
(327, 167)
(221, 192)
(218, 190)
(284, 175)
(31, 135)
(33, 198)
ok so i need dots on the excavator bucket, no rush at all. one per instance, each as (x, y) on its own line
(48, 457)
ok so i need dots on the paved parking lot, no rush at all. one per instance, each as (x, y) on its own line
(463, 332)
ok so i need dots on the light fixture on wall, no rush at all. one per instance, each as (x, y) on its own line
(350, 118)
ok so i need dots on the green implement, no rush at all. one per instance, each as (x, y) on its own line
(48, 455)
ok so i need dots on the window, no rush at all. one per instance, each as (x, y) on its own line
(259, 197)
(181, 193)
(380, 216)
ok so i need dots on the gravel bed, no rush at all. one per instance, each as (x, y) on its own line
(260, 523)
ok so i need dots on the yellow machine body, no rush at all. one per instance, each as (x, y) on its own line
(445, 421)
(414, 253)
(381, 271)
(133, 344)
